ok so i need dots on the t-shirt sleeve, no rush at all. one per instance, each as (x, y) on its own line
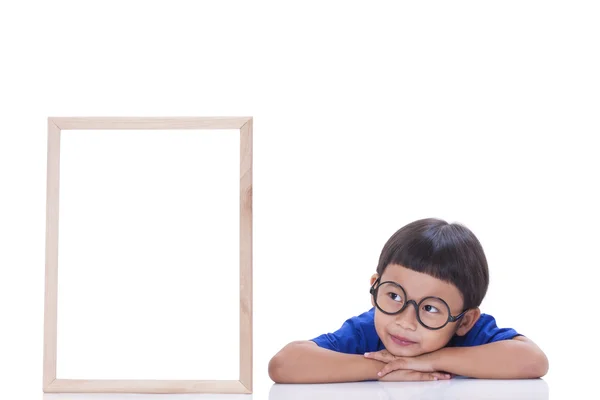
(348, 339)
(484, 331)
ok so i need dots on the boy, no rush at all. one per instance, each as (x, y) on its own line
(425, 323)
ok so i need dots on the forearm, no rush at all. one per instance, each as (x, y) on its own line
(506, 359)
(305, 362)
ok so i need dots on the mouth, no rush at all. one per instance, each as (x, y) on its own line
(401, 341)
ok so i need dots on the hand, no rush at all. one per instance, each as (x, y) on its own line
(402, 375)
(421, 363)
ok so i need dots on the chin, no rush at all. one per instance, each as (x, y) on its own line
(404, 351)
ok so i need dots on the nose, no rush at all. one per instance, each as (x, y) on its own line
(407, 319)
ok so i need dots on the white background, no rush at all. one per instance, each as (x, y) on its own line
(366, 117)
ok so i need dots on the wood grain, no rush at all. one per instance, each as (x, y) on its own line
(150, 122)
(246, 255)
(51, 285)
(144, 386)
(50, 382)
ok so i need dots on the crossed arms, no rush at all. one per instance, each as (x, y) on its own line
(305, 362)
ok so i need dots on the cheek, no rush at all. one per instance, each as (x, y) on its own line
(435, 340)
(380, 323)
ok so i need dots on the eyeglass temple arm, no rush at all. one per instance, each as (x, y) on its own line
(459, 316)
(373, 286)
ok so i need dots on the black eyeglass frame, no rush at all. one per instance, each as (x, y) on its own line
(374, 290)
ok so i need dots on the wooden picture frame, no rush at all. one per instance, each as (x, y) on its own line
(50, 382)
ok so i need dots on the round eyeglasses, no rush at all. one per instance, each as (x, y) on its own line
(432, 312)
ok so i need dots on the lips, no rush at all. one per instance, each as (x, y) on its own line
(402, 341)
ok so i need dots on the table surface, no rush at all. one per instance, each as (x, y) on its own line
(457, 388)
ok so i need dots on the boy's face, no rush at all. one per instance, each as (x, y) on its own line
(392, 329)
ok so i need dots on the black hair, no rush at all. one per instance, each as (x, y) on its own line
(449, 252)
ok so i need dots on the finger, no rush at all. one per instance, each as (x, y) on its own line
(431, 376)
(400, 375)
(384, 371)
(382, 353)
(391, 366)
(385, 357)
(428, 376)
(440, 376)
(417, 376)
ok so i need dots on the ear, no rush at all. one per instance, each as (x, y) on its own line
(373, 279)
(467, 321)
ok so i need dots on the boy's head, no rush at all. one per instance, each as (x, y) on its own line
(442, 267)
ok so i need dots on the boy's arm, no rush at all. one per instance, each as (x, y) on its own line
(306, 362)
(519, 358)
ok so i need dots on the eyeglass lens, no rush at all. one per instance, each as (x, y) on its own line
(433, 312)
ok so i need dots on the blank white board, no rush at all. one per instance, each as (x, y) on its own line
(148, 254)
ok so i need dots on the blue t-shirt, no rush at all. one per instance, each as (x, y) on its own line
(358, 335)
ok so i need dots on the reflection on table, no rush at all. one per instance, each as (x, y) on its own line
(144, 396)
(457, 388)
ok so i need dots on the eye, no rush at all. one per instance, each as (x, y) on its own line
(430, 309)
(395, 296)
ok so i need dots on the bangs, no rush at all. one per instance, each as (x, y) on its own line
(448, 252)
